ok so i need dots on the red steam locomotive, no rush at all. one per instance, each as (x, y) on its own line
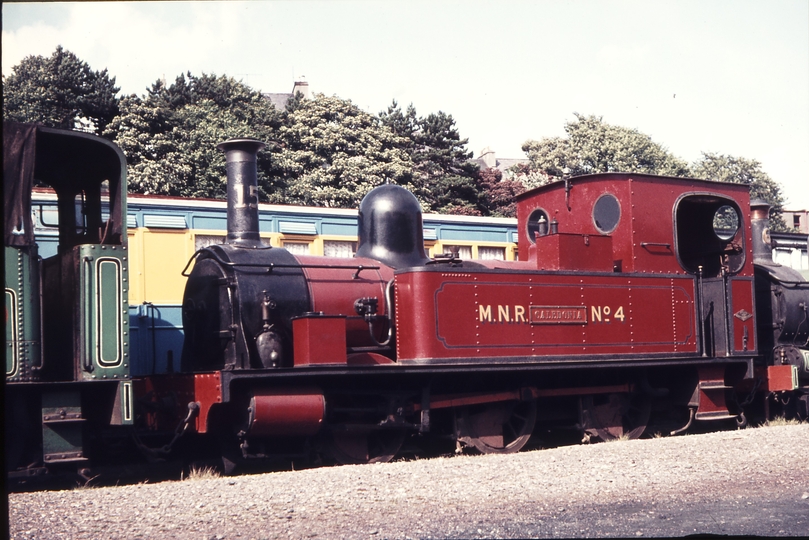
(635, 298)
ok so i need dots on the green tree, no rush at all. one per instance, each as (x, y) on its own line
(60, 91)
(170, 135)
(443, 175)
(593, 146)
(740, 170)
(456, 194)
(334, 153)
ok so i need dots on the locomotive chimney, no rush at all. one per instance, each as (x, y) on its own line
(240, 155)
(760, 225)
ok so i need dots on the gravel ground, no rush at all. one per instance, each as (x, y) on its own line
(752, 482)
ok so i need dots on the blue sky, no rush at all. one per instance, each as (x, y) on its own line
(726, 76)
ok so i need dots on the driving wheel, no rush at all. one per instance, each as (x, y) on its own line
(372, 446)
(615, 416)
(496, 428)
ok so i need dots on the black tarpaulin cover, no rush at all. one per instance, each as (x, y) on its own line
(19, 152)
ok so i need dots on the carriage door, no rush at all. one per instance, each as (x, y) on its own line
(104, 313)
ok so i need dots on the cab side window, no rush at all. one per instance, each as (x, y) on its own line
(709, 235)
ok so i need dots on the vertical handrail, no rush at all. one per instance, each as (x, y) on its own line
(41, 315)
(87, 360)
(728, 309)
(701, 314)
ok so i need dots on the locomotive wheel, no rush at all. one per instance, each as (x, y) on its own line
(373, 446)
(615, 416)
(498, 428)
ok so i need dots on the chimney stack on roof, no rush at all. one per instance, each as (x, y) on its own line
(301, 86)
(488, 157)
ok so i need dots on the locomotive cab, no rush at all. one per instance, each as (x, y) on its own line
(709, 235)
(67, 359)
(82, 285)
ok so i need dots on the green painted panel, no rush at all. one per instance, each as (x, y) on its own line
(104, 312)
(21, 280)
(108, 316)
(12, 354)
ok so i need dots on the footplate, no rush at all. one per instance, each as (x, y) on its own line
(62, 427)
(710, 395)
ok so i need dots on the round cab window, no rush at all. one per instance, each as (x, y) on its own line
(606, 213)
(538, 223)
(725, 222)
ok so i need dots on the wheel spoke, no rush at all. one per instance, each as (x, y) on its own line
(621, 415)
(500, 428)
(378, 446)
(511, 429)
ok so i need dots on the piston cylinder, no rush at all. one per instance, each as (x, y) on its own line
(287, 412)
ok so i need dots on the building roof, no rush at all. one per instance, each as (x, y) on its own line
(488, 160)
(280, 100)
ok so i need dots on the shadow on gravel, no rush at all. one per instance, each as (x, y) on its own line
(721, 518)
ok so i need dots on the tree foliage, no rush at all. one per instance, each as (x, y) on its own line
(60, 91)
(740, 170)
(403, 124)
(170, 135)
(593, 146)
(443, 175)
(329, 152)
(334, 153)
(500, 193)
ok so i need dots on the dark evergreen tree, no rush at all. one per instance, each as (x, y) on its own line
(402, 124)
(60, 91)
(443, 175)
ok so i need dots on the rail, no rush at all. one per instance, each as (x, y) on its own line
(271, 266)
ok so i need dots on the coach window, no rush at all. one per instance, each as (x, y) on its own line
(339, 248)
(205, 240)
(80, 213)
(538, 224)
(606, 213)
(462, 252)
(429, 248)
(489, 253)
(297, 248)
(709, 234)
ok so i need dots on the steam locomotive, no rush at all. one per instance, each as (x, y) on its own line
(638, 302)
